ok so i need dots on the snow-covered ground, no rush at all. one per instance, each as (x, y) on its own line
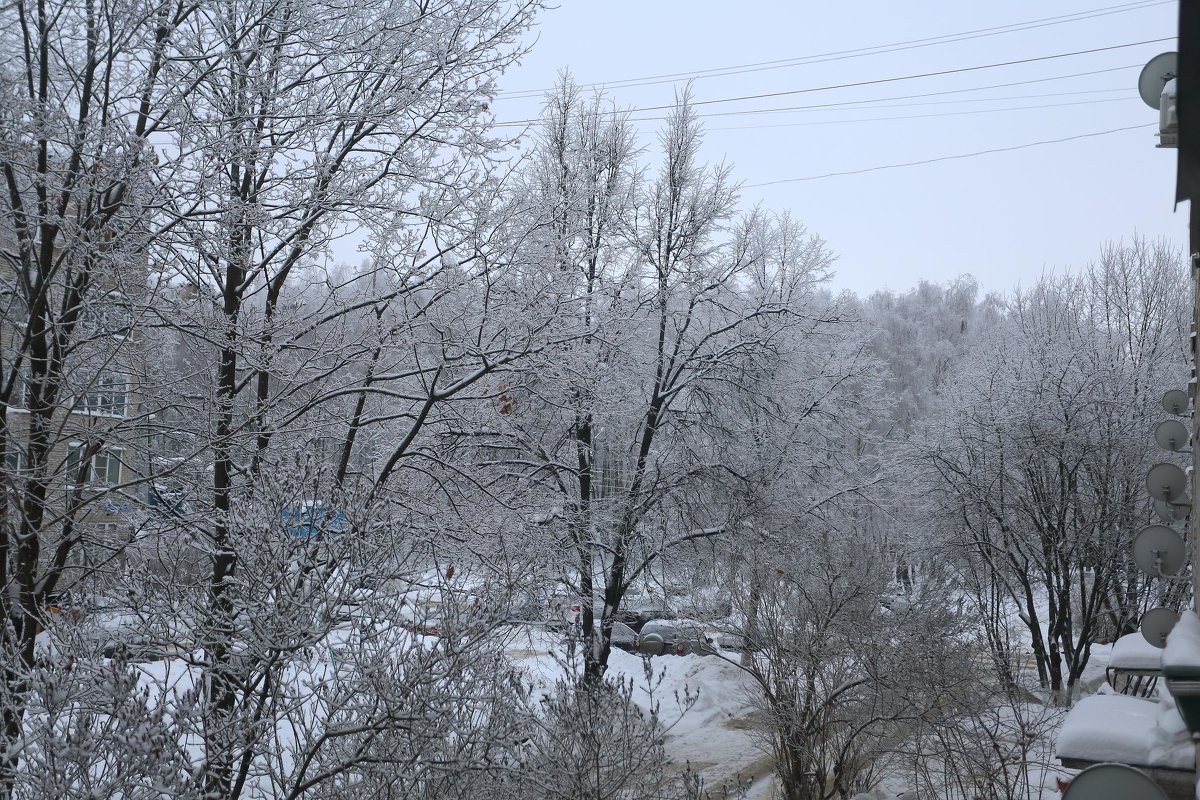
(714, 735)
(704, 701)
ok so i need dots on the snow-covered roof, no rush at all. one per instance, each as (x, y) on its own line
(1134, 652)
(1128, 730)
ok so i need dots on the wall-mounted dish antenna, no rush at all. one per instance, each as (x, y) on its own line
(1172, 512)
(1172, 435)
(1113, 782)
(1155, 75)
(1175, 401)
(1165, 482)
(1157, 623)
(1158, 551)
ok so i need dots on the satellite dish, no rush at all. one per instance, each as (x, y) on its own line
(1113, 782)
(1172, 435)
(1155, 74)
(1175, 401)
(1165, 481)
(1158, 550)
(1157, 623)
(1172, 512)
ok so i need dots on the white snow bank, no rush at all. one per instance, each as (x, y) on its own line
(1183, 643)
(1132, 651)
(1127, 730)
(714, 736)
(721, 686)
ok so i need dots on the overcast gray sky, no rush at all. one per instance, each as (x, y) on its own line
(1004, 217)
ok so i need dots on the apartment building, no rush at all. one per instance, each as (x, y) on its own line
(70, 379)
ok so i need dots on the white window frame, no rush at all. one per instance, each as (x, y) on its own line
(102, 535)
(106, 396)
(107, 531)
(109, 316)
(15, 460)
(107, 458)
(20, 396)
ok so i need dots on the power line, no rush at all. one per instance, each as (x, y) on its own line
(888, 102)
(874, 82)
(948, 158)
(875, 100)
(942, 93)
(925, 116)
(839, 55)
(885, 103)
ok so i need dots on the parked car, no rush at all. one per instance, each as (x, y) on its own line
(727, 640)
(425, 626)
(674, 637)
(624, 637)
(421, 613)
(537, 608)
(564, 610)
(637, 614)
(526, 610)
(112, 632)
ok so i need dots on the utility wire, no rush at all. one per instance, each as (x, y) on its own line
(839, 55)
(926, 116)
(879, 100)
(887, 102)
(882, 106)
(948, 158)
(874, 82)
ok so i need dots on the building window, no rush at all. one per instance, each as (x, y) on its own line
(100, 548)
(14, 311)
(15, 461)
(105, 395)
(20, 393)
(107, 316)
(104, 469)
(108, 532)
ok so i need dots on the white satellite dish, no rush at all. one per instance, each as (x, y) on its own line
(1158, 550)
(1165, 481)
(1157, 623)
(1172, 512)
(1172, 435)
(1155, 75)
(1175, 402)
(1113, 782)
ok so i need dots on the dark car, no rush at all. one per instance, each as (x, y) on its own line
(624, 637)
(637, 615)
(114, 632)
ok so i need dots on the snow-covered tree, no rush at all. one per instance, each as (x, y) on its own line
(1041, 447)
(663, 294)
(849, 666)
(187, 166)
